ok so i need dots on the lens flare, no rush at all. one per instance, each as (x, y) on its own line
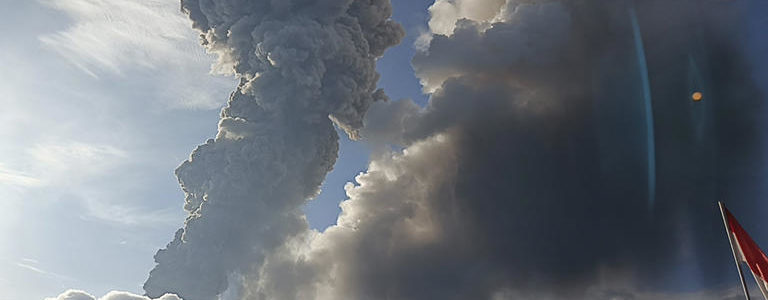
(697, 96)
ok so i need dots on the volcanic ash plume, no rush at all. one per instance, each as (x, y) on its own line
(525, 176)
(303, 67)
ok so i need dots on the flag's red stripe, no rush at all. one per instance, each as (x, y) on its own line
(755, 258)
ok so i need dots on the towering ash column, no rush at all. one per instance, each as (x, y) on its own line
(303, 67)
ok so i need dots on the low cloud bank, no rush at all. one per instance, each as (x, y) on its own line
(80, 295)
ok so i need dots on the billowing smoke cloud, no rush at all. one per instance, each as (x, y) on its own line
(303, 65)
(525, 177)
(445, 13)
(80, 295)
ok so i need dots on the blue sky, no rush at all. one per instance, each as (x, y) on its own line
(102, 100)
(399, 81)
(94, 138)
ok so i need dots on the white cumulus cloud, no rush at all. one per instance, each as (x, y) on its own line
(114, 295)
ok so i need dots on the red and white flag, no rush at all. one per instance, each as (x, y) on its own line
(745, 250)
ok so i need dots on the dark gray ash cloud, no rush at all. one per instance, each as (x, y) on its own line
(304, 66)
(525, 177)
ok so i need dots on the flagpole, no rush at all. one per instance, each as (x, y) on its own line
(733, 250)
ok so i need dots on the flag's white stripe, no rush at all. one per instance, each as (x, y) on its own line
(737, 246)
(762, 284)
(736, 259)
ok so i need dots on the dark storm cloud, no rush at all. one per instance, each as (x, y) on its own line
(525, 177)
(301, 64)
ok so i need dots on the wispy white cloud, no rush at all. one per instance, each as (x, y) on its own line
(15, 178)
(30, 260)
(113, 35)
(128, 215)
(152, 37)
(30, 267)
(66, 156)
(61, 164)
(70, 165)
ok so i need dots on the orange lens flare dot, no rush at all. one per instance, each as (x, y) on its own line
(697, 96)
